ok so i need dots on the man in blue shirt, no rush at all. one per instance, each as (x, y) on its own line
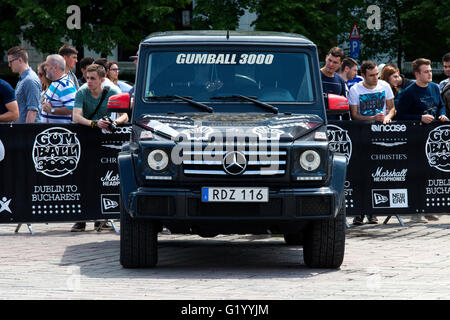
(421, 100)
(349, 72)
(28, 89)
(9, 111)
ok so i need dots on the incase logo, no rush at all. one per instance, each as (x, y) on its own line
(388, 128)
(390, 198)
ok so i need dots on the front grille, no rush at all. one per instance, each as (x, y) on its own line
(197, 208)
(211, 161)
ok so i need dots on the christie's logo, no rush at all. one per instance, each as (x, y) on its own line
(388, 128)
(437, 148)
(56, 152)
(389, 176)
(339, 141)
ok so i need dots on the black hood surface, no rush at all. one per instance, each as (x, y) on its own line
(205, 125)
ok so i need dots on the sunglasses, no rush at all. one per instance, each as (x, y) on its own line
(115, 70)
(11, 61)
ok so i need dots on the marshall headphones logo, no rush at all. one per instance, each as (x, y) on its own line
(2, 151)
(437, 148)
(340, 141)
(56, 152)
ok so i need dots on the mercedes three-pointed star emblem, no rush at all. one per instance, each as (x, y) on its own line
(234, 163)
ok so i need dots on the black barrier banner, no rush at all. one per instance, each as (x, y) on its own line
(394, 169)
(62, 173)
(58, 173)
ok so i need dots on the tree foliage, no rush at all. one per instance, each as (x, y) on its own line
(314, 19)
(218, 14)
(104, 23)
(409, 28)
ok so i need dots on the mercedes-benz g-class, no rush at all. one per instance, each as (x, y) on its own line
(229, 137)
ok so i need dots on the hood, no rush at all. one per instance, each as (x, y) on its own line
(204, 126)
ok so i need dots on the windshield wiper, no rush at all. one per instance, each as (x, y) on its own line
(189, 100)
(264, 105)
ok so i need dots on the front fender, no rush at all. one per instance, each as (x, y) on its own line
(339, 175)
(127, 177)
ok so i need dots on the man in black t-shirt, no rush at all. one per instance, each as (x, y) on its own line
(332, 82)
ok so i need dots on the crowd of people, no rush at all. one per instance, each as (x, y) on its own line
(382, 94)
(55, 95)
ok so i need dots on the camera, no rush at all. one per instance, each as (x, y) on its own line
(111, 126)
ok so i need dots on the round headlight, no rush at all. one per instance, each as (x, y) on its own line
(158, 160)
(310, 160)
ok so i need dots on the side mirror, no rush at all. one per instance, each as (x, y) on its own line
(336, 104)
(119, 103)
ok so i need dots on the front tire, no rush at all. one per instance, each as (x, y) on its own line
(325, 242)
(138, 241)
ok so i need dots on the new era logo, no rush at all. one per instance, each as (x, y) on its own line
(390, 198)
(110, 203)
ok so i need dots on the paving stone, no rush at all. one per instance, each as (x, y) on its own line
(381, 262)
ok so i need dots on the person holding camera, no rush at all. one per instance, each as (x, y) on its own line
(90, 109)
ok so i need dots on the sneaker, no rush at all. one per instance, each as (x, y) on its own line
(373, 220)
(431, 217)
(103, 225)
(107, 226)
(418, 219)
(78, 227)
(358, 221)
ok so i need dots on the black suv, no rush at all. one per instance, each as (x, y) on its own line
(229, 137)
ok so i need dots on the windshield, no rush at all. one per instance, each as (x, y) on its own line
(202, 75)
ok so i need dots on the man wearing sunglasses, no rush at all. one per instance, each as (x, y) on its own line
(28, 89)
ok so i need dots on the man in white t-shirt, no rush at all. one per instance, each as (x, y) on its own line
(371, 99)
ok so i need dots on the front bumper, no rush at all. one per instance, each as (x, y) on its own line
(186, 204)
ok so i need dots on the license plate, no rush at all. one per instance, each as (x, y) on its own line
(213, 194)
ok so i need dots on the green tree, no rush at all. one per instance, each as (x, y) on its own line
(104, 23)
(314, 19)
(409, 29)
(218, 14)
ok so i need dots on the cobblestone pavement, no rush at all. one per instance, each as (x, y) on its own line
(381, 262)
